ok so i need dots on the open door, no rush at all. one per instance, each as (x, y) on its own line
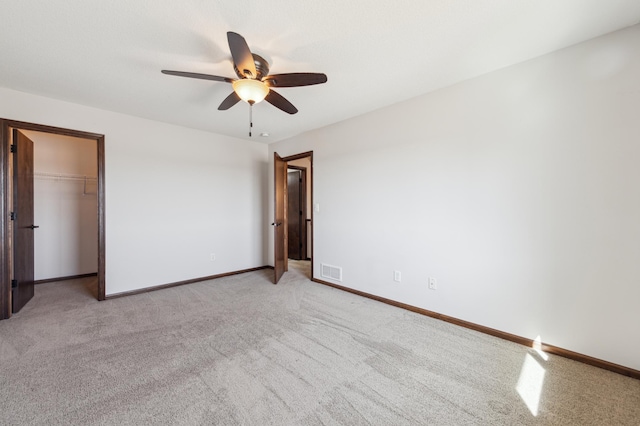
(280, 187)
(23, 227)
(10, 300)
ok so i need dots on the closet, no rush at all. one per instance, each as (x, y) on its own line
(65, 206)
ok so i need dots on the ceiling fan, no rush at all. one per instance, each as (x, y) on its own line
(254, 83)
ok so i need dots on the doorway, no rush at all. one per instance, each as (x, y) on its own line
(65, 207)
(7, 248)
(297, 218)
(293, 209)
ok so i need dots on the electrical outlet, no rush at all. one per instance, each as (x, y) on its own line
(213, 257)
(397, 276)
(433, 284)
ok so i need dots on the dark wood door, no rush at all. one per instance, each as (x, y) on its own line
(280, 189)
(23, 227)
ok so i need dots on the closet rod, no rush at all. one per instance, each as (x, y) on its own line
(61, 176)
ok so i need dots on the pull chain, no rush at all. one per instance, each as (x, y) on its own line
(250, 117)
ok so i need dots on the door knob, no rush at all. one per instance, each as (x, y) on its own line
(33, 226)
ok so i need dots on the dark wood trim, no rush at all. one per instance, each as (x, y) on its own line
(5, 243)
(585, 359)
(23, 125)
(179, 283)
(298, 156)
(102, 266)
(71, 277)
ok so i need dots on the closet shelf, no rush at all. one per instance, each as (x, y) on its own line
(91, 180)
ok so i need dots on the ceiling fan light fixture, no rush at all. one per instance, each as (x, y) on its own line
(251, 91)
(254, 82)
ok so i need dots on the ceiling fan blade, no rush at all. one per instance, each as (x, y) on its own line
(242, 56)
(295, 79)
(278, 101)
(200, 76)
(229, 101)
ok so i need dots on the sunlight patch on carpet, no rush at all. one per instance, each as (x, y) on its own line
(530, 383)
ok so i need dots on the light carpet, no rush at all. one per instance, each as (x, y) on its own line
(240, 350)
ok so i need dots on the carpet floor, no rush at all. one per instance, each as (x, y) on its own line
(239, 350)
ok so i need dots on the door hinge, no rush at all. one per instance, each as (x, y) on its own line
(13, 215)
(14, 283)
(14, 148)
(300, 212)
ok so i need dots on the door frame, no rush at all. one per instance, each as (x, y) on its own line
(5, 222)
(308, 154)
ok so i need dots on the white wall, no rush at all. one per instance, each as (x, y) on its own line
(66, 243)
(518, 190)
(173, 195)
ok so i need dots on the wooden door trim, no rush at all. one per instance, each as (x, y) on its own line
(310, 175)
(298, 156)
(5, 246)
(5, 243)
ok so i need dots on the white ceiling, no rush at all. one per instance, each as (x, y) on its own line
(108, 54)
